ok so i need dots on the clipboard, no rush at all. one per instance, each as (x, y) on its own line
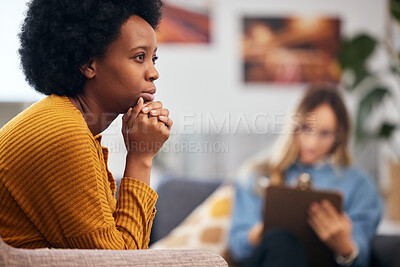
(287, 208)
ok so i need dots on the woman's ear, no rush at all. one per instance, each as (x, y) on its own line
(88, 69)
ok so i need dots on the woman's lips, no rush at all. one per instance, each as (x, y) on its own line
(148, 95)
(309, 152)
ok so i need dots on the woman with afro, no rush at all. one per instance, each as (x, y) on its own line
(94, 59)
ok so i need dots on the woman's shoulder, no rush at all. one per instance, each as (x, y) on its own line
(245, 181)
(359, 178)
(356, 173)
(253, 184)
(362, 192)
(52, 119)
(54, 108)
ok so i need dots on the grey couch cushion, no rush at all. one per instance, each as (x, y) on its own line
(386, 251)
(177, 198)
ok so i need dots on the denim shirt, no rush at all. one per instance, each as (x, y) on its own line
(362, 203)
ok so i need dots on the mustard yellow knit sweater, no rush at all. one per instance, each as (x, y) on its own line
(56, 190)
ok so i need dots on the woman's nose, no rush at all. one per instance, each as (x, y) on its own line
(312, 140)
(152, 74)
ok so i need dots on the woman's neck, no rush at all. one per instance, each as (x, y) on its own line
(317, 163)
(97, 119)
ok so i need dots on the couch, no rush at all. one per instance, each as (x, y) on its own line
(178, 197)
(10, 256)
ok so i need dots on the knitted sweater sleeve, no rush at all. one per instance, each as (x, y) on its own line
(91, 222)
(58, 177)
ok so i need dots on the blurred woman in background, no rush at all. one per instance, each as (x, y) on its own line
(317, 144)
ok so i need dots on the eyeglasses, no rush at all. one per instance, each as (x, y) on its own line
(323, 135)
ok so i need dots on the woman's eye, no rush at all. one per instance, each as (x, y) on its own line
(326, 134)
(140, 57)
(155, 59)
(305, 129)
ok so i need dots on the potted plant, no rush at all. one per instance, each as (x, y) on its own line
(371, 75)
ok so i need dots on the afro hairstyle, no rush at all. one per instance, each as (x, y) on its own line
(59, 36)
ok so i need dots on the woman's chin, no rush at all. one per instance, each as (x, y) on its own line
(308, 160)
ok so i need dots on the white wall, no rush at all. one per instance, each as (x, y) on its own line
(208, 78)
(204, 80)
(13, 87)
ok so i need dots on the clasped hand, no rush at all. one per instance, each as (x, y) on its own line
(145, 128)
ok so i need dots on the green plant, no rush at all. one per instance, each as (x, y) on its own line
(368, 85)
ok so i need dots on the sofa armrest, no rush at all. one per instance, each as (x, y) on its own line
(10, 256)
(385, 251)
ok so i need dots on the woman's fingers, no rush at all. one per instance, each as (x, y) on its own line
(318, 215)
(329, 209)
(127, 115)
(315, 226)
(135, 111)
(255, 233)
(144, 133)
(167, 121)
(319, 228)
(125, 119)
(346, 217)
(149, 106)
(155, 109)
(138, 107)
(159, 112)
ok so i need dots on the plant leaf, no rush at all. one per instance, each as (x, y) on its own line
(386, 130)
(344, 54)
(373, 98)
(395, 9)
(360, 74)
(355, 52)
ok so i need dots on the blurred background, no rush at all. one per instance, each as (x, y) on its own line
(231, 71)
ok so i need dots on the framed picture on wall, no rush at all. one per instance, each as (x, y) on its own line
(185, 22)
(290, 49)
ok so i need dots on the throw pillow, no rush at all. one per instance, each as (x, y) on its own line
(207, 227)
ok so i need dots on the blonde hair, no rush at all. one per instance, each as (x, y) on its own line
(286, 150)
